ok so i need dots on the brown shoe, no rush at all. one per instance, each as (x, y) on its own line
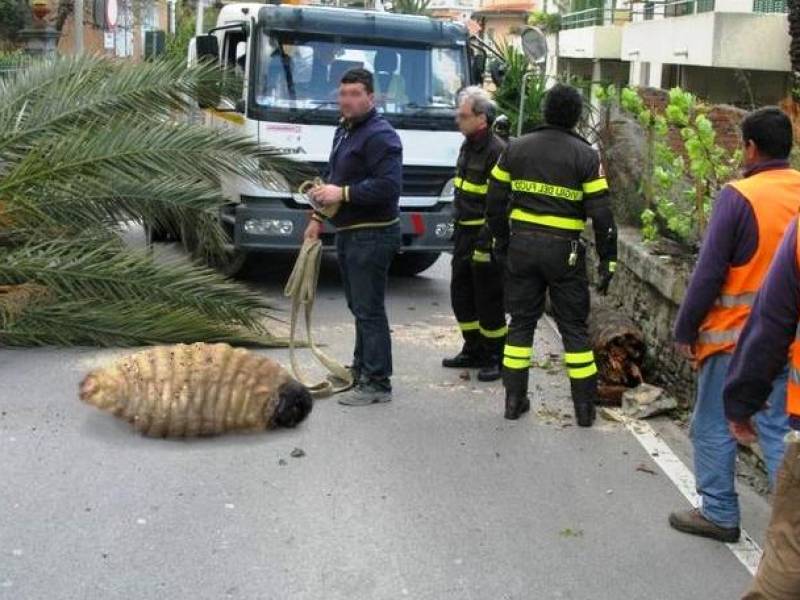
(693, 522)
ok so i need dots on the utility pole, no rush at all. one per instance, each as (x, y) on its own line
(77, 15)
(198, 27)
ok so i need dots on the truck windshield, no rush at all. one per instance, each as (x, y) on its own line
(301, 73)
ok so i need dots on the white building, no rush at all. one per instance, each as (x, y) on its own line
(734, 51)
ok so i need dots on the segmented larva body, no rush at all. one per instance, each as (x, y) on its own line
(189, 390)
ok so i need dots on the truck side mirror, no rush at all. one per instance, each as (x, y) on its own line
(478, 67)
(207, 48)
(497, 69)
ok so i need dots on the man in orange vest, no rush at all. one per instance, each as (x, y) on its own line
(746, 227)
(770, 335)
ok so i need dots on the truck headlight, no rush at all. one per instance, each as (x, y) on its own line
(444, 230)
(268, 227)
(449, 189)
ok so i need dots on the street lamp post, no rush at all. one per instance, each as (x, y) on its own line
(77, 15)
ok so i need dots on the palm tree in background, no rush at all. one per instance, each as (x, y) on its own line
(87, 145)
(793, 8)
(411, 7)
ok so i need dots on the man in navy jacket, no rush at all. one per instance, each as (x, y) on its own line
(364, 179)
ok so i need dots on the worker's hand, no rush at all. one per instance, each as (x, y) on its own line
(484, 242)
(686, 351)
(743, 431)
(326, 194)
(313, 231)
(606, 273)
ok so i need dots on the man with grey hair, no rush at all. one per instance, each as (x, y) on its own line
(476, 286)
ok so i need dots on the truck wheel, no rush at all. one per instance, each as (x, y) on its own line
(409, 264)
(154, 234)
(233, 264)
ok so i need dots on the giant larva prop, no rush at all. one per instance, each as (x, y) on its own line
(197, 390)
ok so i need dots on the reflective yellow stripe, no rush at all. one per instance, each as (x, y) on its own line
(730, 336)
(582, 372)
(473, 188)
(500, 174)
(472, 222)
(596, 185)
(231, 117)
(556, 222)
(481, 257)
(516, 363)
(612, 267)
(494, 333)
(517, 351)
(364, 225)
(579, 358)
(469, 326)
(546, 189)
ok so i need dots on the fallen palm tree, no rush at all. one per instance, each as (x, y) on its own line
(89, 144)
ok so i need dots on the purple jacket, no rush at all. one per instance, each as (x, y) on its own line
(731, 241)
(763, 346)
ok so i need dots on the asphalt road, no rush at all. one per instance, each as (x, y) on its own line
(433, 496)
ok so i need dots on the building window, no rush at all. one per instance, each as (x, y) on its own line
(770, 6)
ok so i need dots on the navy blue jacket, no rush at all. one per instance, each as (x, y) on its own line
(367, 159)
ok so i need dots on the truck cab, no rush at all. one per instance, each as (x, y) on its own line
(291, 58)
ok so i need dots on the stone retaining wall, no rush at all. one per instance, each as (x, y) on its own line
(649, 288)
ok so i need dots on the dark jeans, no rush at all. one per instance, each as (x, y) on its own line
(364, 259)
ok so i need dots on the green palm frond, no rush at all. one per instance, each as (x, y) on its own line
(123, 323)
(169, 203)
(124, 149)
(108, 273)
(88, 145)
(90, 90)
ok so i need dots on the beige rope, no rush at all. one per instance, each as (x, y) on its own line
(302, 289)
(330, 210)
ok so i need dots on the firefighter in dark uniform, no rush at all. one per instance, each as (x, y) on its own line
(476, 287)
(541, 192)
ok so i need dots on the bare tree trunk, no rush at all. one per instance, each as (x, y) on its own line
(619, 349)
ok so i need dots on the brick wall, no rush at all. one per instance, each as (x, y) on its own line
(725, 118)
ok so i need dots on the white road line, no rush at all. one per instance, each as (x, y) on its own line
(746, 549)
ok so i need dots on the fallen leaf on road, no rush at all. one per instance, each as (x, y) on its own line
(298, 453)
(568, 532)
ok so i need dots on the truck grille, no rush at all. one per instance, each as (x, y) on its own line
(418, 180)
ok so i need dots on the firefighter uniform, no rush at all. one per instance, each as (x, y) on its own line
(476, 287)
(541, 192)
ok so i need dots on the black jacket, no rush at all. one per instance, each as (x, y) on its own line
(475, 162)
(367, 160)
(551, 179)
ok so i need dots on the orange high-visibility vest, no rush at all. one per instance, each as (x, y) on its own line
(774, 197)
(793, 385)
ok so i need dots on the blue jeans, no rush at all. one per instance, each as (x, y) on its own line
(364, 259)
(715, 447)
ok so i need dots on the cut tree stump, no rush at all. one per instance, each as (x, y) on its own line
(619, 349)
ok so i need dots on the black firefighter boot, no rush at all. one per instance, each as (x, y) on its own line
(492, 369)
(516, 384)
(584, 392)
(471, 355)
